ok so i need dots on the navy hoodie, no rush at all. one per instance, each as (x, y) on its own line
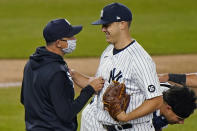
(48, 95)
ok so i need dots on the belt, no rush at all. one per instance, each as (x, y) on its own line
(116, 127)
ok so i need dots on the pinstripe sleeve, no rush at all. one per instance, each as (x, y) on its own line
(146, 76)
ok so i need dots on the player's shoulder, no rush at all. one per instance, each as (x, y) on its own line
(138, 51)
(141, 57)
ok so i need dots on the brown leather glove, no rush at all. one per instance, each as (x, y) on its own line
(115, 99)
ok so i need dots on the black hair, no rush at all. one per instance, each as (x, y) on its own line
(181, 99)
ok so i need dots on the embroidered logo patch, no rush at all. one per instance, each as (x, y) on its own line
(151, 88)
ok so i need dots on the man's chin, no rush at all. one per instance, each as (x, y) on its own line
(108, 41)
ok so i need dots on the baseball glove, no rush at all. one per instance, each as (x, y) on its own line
(115, 99)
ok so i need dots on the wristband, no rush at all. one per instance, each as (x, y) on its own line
(178, 78)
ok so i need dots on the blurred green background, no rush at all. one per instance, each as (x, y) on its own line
(162, 27)
(12, 114)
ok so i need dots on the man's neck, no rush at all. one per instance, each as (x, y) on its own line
(123, 40)
(54, 50)
(123, 43)
(162, 109)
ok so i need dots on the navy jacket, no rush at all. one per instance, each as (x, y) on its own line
(48, 95)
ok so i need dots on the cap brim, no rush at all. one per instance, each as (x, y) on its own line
(75, 30)
(100, 22)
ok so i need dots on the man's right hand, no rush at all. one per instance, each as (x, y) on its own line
(97, 83)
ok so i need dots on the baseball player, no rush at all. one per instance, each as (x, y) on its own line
(189, 79)
(125, 61)
(178, 104)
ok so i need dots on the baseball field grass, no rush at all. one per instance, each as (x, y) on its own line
(12, 113)
(162, 27)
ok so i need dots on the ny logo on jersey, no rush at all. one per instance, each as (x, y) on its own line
(114, 76)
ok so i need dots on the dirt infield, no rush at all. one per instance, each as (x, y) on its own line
(12, 70)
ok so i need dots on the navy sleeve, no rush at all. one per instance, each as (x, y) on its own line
(159, 121)
(62, 97)
(22, 97)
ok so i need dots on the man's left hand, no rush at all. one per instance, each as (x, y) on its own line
(122, 117)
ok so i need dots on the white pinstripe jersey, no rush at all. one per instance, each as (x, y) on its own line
(136, 69)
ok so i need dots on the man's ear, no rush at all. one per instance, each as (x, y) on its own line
(168, 107)
(57, 43)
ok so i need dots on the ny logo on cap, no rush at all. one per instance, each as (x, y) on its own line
(101, 13)
(67, 21)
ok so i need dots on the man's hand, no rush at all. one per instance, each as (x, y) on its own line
(96, 83)
(122, 117)
(90, 79)
(163, 77)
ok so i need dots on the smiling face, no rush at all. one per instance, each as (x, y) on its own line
(112, 32)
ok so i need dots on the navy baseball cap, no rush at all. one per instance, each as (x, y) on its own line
(114, 12)
(59, 28)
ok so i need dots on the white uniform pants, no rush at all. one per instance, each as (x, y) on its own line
(89, 122)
